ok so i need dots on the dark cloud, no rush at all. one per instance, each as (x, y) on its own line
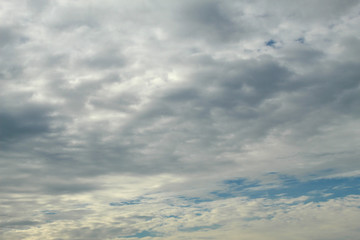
(21, 224)
(37, 5)
(11, 38)
(69, 18)
(310, 11)
(8, 36)
(303, 55)
(104, 60)
(209, 21)
(24, 123)
(67, 188)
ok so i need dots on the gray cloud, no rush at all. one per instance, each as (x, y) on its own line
(24, 123)
(115, 101)
(8, 36)
(209, 21)
(19, 224)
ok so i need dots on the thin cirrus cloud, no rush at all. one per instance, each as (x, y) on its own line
(179, 120)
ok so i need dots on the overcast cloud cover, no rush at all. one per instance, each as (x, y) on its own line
(179, 119)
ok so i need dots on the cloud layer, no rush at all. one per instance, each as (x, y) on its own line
(179, 119)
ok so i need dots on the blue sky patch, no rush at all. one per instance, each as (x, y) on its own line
(172, 216)
(301, 40)
(125, 203)
(200, 228)
(270, 43)
(317, 190)
(196, 200)
(48, 212)
(142, 235)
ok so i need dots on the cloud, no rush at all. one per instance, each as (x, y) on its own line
(175, 120)
(26, 123)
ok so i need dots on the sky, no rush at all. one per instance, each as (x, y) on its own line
(180, 120)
